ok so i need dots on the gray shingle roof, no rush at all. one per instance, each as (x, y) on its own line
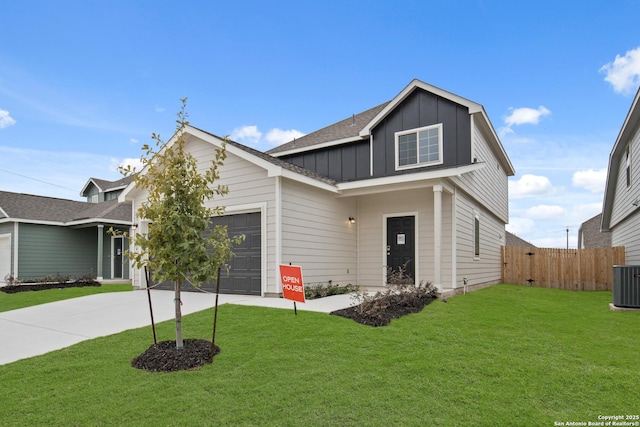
(513, 240)
(40, 208)
(590, 236)
(347, 128)
(274, 160)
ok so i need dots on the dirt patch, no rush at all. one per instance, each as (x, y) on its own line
(390, 307)
(13, 289)
(165, 357)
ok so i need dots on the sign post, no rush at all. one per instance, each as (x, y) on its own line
(292, 285)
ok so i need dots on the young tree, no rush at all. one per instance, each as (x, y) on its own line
(180, 244)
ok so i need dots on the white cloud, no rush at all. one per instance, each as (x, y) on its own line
(519, 226)
(5, 119)
(278, 136)
(530, 185)
(546, 212)
(246, 135)
(521, 116)
(159, 109)
(592, 180)
(624, 71)
(136, 164)
(133, 141)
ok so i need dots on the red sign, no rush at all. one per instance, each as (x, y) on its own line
(292, 287)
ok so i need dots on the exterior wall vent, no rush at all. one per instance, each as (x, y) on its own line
(626, 286)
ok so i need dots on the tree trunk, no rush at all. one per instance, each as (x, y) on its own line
(178, 303)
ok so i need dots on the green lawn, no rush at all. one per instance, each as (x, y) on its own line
(29, 298)
(501, 356)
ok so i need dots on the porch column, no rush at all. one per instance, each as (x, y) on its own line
(100, 244)
(437, 236)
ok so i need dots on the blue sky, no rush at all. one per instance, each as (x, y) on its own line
(83, 84)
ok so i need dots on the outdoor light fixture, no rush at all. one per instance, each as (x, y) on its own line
(352, 220)
(134, 227)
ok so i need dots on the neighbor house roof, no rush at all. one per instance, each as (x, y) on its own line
(513, 240)
(590, 236)
(615, 159)
(104, 186)
(41, 209)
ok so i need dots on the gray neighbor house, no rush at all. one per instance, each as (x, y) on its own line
(44, 236)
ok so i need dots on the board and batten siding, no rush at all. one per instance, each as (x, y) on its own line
(487, 268)
(45, 250)
(421, 109)
(317, 234)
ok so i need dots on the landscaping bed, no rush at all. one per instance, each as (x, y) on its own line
(386, 308)
(25, 287)
(165, 357)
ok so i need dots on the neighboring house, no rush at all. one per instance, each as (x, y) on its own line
(419, 181)
(590, 236)
(98, 190)
(621, 206)
(43, 236)
(513, 240)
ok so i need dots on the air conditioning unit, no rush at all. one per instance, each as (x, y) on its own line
(626, 286)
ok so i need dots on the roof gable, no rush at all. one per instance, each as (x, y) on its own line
(360, 126)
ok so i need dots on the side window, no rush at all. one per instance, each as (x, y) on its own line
(476, 235)
(628, 166)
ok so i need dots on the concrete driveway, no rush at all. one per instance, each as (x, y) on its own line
(36, 330)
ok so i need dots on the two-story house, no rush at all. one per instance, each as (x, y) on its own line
(621, 205)
(419, 181)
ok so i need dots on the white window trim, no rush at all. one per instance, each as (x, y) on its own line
(94, 198)
(417, 130)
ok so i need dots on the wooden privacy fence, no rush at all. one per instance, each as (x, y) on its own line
(574, 269)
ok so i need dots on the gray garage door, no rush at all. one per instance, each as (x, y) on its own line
(245, 268)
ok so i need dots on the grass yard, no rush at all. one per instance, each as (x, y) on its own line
(501, 356)
(29, 298)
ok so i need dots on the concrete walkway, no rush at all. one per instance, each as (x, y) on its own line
(36, 330)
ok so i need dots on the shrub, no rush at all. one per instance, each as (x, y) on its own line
(321, 290)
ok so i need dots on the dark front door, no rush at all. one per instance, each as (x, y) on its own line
(117, 257)
(401, 247)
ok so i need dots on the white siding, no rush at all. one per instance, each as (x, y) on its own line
(625, 196)
(625, 217)
(627, 234)
(372, 246)
(487, 268)
(317, 234)
(249, 188)
(5, 256)
(489, 185)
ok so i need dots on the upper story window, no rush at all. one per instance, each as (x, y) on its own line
(628, 166)
(94, 198)
(419, 147)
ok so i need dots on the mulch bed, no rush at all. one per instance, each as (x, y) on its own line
(394, 310)
(13, 289)
(165, 357)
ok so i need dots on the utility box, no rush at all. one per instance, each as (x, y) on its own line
(626, 286)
